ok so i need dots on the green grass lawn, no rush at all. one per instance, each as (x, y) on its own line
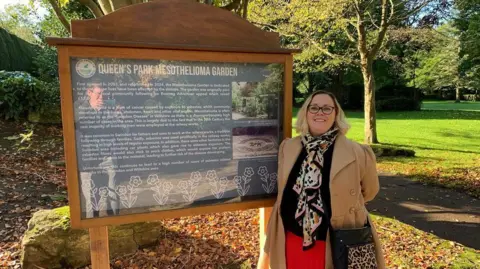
(446, 142)
(451, 105)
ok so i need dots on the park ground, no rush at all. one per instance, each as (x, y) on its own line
(443, 176)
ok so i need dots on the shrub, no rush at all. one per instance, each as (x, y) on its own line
(396, 104)
(46, 65)
(21, 93)
(384, 151)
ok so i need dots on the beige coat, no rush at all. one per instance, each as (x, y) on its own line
(353, 181)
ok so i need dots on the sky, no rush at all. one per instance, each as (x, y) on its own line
(4, 3)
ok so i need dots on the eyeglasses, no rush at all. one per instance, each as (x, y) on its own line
(327, 110)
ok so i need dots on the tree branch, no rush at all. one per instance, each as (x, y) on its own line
(60, 15)
(383, 30)
(362, 36)
(90, 4)
(245, 9)
(322, 49)
(232, 6)
(411, 12)
(392, 11)
(350, 36)
(105, 6)
(371, 19)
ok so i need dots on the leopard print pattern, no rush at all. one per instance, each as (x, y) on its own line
(362, 257)
(310, 204)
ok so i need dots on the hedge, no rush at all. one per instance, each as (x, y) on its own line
(16, 54)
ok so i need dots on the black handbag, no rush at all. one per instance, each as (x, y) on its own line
(353, 248)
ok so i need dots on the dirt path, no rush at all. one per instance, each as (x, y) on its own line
(446, 213)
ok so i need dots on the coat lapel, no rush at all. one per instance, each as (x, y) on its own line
(290, 154)
(342, 156)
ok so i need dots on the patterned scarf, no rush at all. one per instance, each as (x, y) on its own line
(310, 205)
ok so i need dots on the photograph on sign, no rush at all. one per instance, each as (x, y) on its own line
(155, 135)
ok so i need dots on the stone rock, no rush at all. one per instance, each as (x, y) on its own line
(49, 242)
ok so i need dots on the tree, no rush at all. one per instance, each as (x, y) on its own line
(338, 34)
(439, 67)
(99, 8)
(468, 23)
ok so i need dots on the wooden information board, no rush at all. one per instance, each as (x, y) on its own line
(170, 108)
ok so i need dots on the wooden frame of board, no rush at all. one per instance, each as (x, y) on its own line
(182, 30)
(64, 54)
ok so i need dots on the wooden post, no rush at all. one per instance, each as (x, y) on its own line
(99, 250)
(264, 218)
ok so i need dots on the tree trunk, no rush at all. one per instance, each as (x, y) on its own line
(105, 6)
(61, 17)
(457, 94)
(369, 103)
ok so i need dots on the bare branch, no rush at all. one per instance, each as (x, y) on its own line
(357, 7)
(60, 15)
(232, 6)
(264, 25)
(411, 12)
(392, 11)
(92, 6)
(382, 32)
(371, 19)
(350, 36)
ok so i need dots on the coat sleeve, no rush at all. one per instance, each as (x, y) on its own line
(263, 261)
(369, 180)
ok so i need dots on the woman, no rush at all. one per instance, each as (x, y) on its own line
(324, 179)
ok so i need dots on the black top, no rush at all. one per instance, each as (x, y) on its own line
(290, 197)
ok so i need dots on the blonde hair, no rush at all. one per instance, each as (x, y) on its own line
(340, 119)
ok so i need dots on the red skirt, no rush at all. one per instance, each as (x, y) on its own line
(313, 258)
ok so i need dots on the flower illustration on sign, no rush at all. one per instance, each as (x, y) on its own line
(242, 181)
(262, 171)
(211, 174)
(128, 194)
(152, 179)
(161, 189)
(189, 187)
(218, 184)
(121, 190)
(90, 192)
(223, 182)
(196, 176)
(135, 181)
(237, 180)
(103, 192)
(183, 185)
(270, 180)
(249, 172)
